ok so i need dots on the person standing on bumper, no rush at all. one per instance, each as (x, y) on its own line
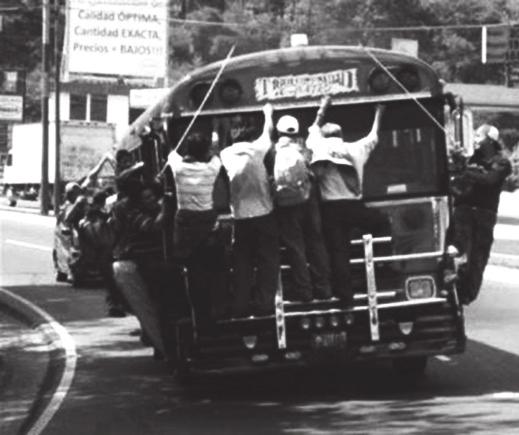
(300, 222)
(339, 169)
(256, 241)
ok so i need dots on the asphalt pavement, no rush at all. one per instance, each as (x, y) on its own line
(118, 388)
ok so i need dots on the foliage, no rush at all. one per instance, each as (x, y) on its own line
(261, 24)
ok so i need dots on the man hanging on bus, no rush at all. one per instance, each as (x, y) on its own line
(339, 168)
(299, 218)
(256, 241)
(475, 211)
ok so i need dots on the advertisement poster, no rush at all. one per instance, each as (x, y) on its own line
(117, 37)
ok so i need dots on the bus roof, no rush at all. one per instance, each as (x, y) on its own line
(258, 78)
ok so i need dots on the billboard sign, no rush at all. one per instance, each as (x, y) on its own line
(117, 37)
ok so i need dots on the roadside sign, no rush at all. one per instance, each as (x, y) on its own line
(12, 82)
(11, 107)
(500, 44)
(117, 37)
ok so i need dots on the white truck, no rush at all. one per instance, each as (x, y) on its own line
(82, 146)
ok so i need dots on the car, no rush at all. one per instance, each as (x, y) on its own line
(70, 265)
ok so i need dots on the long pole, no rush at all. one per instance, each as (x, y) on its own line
(57, 118)
(44, 189)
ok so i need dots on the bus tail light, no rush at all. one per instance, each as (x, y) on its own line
(250, 341)
(420, 287)
(305, 323)
(406, 327)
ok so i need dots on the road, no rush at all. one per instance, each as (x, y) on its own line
(119, 389)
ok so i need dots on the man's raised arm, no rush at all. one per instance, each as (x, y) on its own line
(321, 112)
(363, 147)
(265, 140)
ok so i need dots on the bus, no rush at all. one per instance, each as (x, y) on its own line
(406, 307)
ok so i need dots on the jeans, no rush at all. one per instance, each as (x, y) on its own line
(340, 218)
(473, 236)
(301, 232)
(256, 245)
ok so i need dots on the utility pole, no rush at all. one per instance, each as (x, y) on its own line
(57, 117)
(44, 188)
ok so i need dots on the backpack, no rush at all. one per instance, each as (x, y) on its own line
(291, 176)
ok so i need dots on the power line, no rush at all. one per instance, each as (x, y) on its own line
(413, 28)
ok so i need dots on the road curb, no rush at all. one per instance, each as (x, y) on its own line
(62, 360)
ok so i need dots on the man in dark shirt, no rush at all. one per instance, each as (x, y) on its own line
(475, 211)
(140, 269)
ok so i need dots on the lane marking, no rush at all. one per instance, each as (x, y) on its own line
(506, 232)
(443, 358)
(28, 245)
(509, 256)
(51, 326)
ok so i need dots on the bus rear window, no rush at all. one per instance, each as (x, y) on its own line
(409, 158)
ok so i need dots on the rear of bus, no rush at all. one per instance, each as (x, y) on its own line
(404, 307)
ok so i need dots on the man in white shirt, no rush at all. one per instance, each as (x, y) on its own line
(256, 242)
(339, 168)
(195, 243)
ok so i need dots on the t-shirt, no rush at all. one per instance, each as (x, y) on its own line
(194, 181)
(338, 165)
(250, 187)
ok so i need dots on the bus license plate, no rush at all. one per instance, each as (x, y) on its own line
(329, 340)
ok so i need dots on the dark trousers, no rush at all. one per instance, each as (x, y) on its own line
(340, 219)
(165, 285)
(473, 236)
(256, 245)
(300, 230)
(207, 277)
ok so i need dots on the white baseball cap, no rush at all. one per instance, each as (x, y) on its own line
(487, 130)
(287, 125)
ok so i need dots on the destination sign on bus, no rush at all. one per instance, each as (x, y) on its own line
(306, 85)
